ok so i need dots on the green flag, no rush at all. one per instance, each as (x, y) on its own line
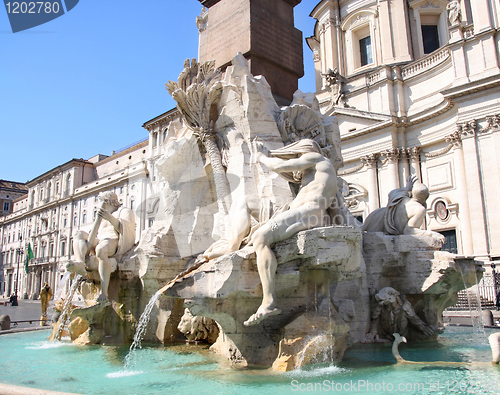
(29, 255)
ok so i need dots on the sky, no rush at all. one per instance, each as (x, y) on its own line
(85, 83)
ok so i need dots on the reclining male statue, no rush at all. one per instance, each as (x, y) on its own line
(304, 163)
(112, 235)
(404, 214)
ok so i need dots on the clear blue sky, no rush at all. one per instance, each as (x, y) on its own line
(85, 82)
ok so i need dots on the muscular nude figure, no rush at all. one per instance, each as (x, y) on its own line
(302, 162)
(116, 235)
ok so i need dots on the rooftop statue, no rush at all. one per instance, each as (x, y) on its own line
(454, 12)
(405, 212)
(112, 235)
(304, 163)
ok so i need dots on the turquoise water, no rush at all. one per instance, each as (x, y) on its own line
(28, 359)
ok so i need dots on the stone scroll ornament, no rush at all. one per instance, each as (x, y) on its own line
(197, 93)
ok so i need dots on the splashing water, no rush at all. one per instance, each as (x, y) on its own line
(141, 328)
(65, 314)
(469, 278)
(146, 314)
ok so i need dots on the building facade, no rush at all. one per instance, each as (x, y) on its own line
(415, 85)
(60, 202)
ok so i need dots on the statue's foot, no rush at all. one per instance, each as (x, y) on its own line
(76, 267)
(261, 314)
(219, 248)
(102, 298)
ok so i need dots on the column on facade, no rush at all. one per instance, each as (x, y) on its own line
(481, 15)
(392, 156)
(371, 161)
(404, 155)
(463, 199)
(473, 188)
(385, 26)
(414, 154)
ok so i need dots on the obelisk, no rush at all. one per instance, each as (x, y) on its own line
(263, 31)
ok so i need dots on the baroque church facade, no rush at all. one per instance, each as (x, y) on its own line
(415, 85)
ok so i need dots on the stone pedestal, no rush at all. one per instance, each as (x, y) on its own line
(312, 266)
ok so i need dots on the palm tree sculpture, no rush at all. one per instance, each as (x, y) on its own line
(197, 93)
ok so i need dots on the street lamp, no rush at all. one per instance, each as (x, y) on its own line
(19, 254)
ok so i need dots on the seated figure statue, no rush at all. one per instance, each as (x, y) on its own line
(112, 234)
(304, 163)
(404, 214)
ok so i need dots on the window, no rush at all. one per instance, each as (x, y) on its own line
(65, 222)
(96, 199)
(94, 215)
(121, 190)
(430, 38)
(85, 201)
(151, 222)
(75, 221)
(132, 204)
(365, 49)
(84, 218)
(51, 250)
(43, 251)
(360, 40)
(6, 206)
(63, 248)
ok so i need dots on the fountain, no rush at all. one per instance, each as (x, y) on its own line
(337, 287)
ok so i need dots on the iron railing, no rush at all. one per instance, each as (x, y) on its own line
(487, 289)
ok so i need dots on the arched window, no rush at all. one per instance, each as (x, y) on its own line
(84, 218)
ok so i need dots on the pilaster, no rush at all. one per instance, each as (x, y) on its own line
(463, 198)
(371, 162)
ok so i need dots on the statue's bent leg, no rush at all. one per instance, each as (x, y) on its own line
(80, 249)
(240, 220)
(282, 227)
(105, 249)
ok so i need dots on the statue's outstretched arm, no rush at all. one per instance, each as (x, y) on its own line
(297, 164)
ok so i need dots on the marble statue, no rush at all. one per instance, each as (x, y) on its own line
(333, 82)
(395, 351)
(304, 163)
(454, 12)
(392, 315)
(198, 328)
(404, 214)
(112, 235)
(494, 340)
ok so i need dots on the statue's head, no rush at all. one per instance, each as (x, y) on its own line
(110, 198)
(388, 297)
(420, 192)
